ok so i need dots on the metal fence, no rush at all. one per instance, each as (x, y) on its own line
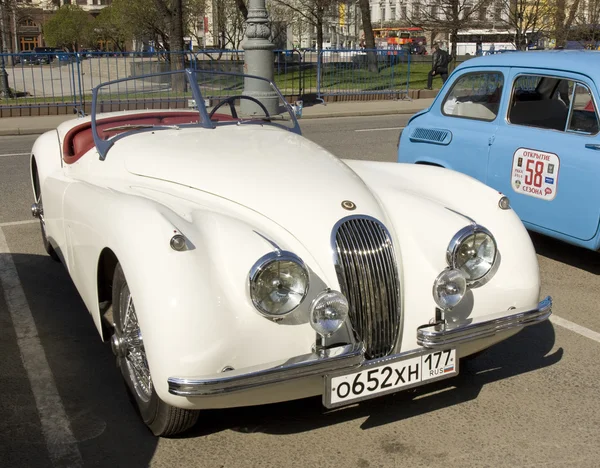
(53, 83)
(351, 72)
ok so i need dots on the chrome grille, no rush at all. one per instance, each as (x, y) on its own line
(368, 277)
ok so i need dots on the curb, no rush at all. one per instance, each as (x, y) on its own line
(366, 113)
(369, 113)
(25, 131)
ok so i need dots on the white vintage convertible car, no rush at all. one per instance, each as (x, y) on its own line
(231, 262)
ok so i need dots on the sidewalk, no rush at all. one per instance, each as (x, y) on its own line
(37, 125)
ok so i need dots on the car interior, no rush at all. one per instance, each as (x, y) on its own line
(547, 105)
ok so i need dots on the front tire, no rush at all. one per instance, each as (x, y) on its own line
(127, 342)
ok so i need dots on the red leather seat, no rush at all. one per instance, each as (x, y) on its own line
(79, 140)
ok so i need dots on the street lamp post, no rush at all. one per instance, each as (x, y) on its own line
(258, 60)
(4, 89)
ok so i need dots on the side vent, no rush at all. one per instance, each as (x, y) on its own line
(431, 135)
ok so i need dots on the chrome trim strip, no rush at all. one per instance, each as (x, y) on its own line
(443, 335)
(326, 361)
(349, 358)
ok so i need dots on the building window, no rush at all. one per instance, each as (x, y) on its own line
(404, 12)
(434, 11)
(29, 43)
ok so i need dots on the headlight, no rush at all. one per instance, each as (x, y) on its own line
(449, 288)
(278, 283)
(328, 312)
(472, 251)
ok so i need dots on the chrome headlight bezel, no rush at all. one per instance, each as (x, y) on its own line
(264, 262)
(455, 244)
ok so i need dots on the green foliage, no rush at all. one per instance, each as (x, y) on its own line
(111, 26)
(69, 27)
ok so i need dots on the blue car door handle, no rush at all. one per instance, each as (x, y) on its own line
(593, 146)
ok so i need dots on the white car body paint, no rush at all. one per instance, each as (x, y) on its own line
(227, 189)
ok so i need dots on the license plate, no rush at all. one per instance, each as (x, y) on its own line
(376, 379)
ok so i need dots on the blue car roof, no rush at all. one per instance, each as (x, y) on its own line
(582, 61)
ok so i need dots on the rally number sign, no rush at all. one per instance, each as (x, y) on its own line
(535, 173)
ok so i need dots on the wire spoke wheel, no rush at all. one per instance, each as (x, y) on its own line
(133, 344)
(128, 345)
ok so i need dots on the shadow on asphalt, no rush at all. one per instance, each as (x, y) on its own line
(102, 419)
(577, 257)
(525, 352)
(110, 433)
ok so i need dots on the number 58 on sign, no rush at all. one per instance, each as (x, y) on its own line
(535, 173)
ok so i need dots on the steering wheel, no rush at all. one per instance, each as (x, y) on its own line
(230, 101)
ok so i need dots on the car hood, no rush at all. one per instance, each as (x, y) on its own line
(276, 173)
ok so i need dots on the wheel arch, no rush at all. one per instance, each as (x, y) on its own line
(34, 176)
(107, 263)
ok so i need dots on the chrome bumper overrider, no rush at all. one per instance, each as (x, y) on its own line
(351, 356)
(437, 336)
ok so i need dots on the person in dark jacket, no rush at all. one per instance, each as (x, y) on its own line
(439, 65)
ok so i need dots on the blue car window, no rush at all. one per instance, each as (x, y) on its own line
(551, 102)
(475, 96)
(584, 118)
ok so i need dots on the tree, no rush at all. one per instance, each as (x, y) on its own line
(587, 28)
(314, 12)
(110, 26)
(231, 24)
(563, 20)
(450, 16)
(525, 17)
(369, 35)
(69, 27)
(195, 11)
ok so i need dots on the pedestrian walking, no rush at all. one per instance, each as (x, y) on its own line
(439, 65)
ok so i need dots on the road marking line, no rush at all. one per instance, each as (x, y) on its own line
(18, 223)
(14, 154)
(592, 335)
(378, 129)
(60, 442)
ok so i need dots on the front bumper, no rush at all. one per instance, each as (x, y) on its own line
(349, 357)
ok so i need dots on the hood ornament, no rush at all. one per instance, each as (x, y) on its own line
(348, 205)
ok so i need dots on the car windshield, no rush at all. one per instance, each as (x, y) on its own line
(183, 99)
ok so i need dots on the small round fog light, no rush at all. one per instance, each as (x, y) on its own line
(449, 288)
(328, 312)
(178, 242)
(504, 203)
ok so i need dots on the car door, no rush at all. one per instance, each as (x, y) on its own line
(547, 156)
(457, 130)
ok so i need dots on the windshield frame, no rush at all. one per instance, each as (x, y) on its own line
(190, 74)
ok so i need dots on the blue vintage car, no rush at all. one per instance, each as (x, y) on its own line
(525, 124)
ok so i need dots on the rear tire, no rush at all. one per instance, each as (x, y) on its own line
(162, 418)
(47, 247)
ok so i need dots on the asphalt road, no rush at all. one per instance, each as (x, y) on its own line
(530, 401)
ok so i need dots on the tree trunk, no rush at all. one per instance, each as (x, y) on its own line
(174, 17)
(319, 29)
(453, 40)
(369, 36)
(243, 9)
(559, 23)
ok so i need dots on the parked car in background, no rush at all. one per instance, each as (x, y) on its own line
(231, 262)
(526, 124)
(33, 58)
